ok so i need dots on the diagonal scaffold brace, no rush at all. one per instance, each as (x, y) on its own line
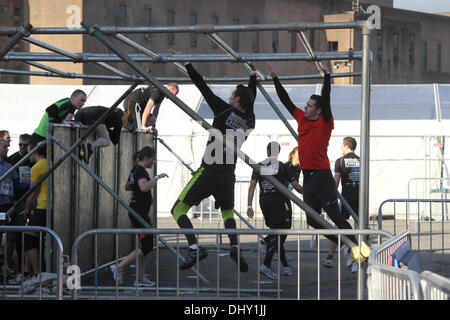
(94, 31)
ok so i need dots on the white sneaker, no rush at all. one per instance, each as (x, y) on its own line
(327, 263)
(144, 282)
(268, 272)
(287, 271)
(117, 274)
(354, 266)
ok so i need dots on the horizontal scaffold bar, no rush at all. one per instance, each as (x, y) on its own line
(70, 75)
(167, 58)
(207, 28)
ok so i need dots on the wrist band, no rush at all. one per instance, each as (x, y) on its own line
(249, 207)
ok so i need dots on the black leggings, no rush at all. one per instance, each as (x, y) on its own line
(320, 192)
(146, 239)
(277, 213)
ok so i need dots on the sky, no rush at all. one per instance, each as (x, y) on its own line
(429, 6)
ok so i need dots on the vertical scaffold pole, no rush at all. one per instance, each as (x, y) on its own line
(365, 144)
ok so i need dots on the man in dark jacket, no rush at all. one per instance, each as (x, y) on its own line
(59, 112)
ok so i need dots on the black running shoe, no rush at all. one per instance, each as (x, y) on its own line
(191, 257)
(88, 152)
(243, 266)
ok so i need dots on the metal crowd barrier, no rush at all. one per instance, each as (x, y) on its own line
(434, 286)
(389, 283)
(44, 279)
(103, 288)
(432, 228)
(418, 215)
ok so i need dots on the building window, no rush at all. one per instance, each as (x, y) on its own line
(235, 40)
(122, 15)
(438, 57)
(275, 41)
(170, 22)
(395, 52)
(333, 46)
(147, 22)
(424, 56)
(4, 16)
(255, 39)
(17, 16)
(294, 42)
(215, 22)
(379, 45)
(193, 22)
(412, 39)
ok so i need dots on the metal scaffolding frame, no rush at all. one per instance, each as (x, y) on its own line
(57, 54)
(145, 55)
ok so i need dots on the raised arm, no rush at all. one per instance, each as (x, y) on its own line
(200, 83)
(326, 89)
(146, 114)
(252, 80)
(281, 92)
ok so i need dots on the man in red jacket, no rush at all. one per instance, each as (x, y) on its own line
(315, 124)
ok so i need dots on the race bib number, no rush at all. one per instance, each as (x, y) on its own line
(351, 163)
(24, 174)
(6, 188)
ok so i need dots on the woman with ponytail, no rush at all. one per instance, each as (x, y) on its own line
(140, 184)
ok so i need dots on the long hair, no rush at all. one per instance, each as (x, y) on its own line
(292, 153)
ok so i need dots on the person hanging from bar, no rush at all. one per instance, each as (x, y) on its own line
(61, 111)
(276, 208)
(106, 132)
(140, 184)
(142, 107)
(233, 121)
(315, 124)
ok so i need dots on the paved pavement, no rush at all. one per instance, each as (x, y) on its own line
(310, 281)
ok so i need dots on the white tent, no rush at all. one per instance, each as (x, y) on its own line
(405, 121)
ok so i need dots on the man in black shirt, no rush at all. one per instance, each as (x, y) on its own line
(14, 239)
(139, 104)
(234, 121)
(347, 171)
(106, 132)
(276, 208)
